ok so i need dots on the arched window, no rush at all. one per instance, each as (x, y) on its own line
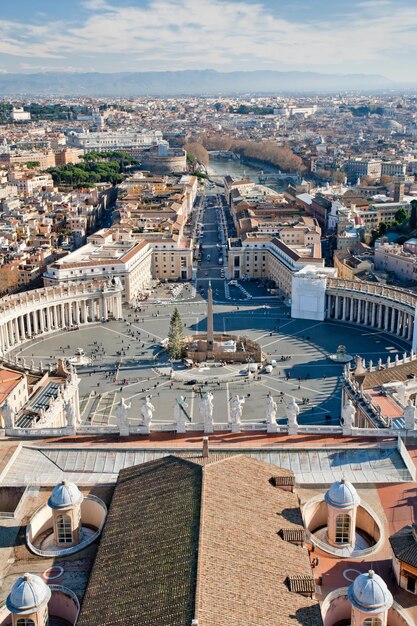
(342, 534)
(25, 622)
(63, 528)
(372, 621)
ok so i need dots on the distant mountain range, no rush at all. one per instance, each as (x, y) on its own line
(187, 82)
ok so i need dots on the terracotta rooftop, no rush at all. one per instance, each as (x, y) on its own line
(8, 381)
(245, 567)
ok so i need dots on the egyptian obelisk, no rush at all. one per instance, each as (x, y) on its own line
(210, 331)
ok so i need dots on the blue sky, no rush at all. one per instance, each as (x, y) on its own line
(343, 36)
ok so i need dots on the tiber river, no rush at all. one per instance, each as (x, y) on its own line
(222, 167)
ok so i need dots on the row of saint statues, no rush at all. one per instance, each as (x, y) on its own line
(206, 409)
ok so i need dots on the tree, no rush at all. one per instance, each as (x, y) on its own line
(401, 216)
(413, 215)
(382, 228)
(175, 336)
(197, 152)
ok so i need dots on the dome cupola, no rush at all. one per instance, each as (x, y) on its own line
(342, 495)
(28, 595)
(65, 496)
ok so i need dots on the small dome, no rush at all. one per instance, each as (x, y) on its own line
(342, 495)
(28, 594)
(369, 593)
(65, 496)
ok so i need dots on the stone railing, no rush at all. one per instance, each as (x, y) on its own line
(158, 427)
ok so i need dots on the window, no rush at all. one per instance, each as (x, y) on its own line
(63, 527)
(25, 622)
(342, 528)
(372, 621)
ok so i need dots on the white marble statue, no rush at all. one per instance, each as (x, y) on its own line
(73, 419)
(180, 414)
(291, 413)
(271, 410)
(348, 414)
(8, 414)
(146, 411)
(205, 406)
(122, 418)
(236, 410)
(410, 416)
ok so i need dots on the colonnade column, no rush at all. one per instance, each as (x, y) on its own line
(55, 316)
(83, 311)
(386, 317)
(35, 322)
(42, 320)
(380, 316)
(366, 312)
(49, 318)
(28, 325)
(393, 313)
(22, 327)
(400, 317)
(16, 330)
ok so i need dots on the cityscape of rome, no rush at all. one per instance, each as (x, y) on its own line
(208, 313)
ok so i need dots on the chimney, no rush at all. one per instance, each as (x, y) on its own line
(205, 447)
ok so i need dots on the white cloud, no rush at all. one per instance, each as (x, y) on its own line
(219, 34)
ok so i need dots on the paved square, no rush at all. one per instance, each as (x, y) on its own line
(130, 363)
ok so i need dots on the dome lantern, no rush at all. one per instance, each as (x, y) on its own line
(29, 597)
(370, 599)
(65, 502)
(342, 501)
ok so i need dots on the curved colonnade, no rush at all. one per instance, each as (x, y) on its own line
(26, 315)
(385, 308)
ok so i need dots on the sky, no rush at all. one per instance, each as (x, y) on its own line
(342, 36)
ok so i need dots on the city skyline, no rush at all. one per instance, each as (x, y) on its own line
(362, 36)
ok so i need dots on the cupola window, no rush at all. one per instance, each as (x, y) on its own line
(343, 529)
(64, 530)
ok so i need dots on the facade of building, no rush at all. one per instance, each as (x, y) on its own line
(263, 257)
(363, 167)
(395, 259)
(103, 257)
(102, 141)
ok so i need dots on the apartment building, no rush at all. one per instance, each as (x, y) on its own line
(397, 260)
(105, 255)
(256, 256)
(363, 167)
(102, 141)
